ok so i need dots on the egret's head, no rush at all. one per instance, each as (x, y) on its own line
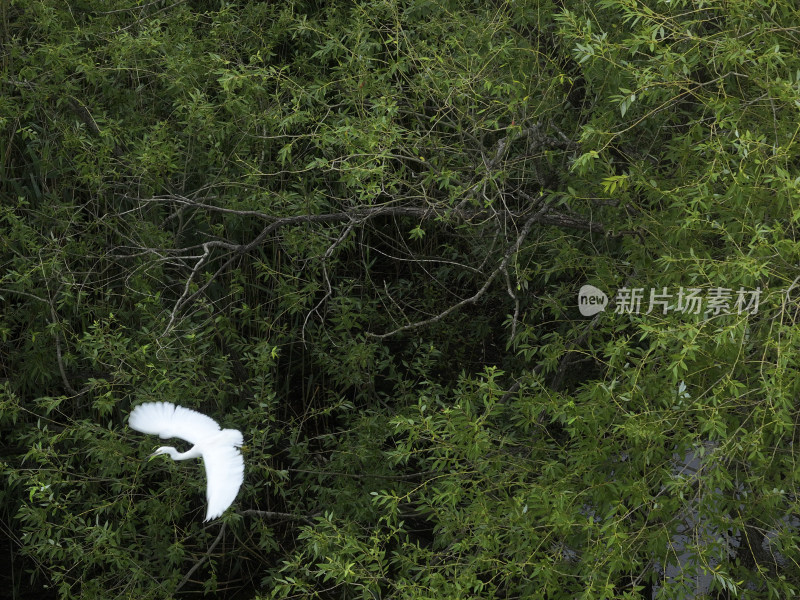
(161, 450)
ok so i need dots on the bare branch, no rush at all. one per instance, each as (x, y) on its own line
(56, 337)
(329, 290)
(84, 115)
(577, 343)
(474, 298)
(203, 559)
(151, 15)
(354, 217)
(515, 318)
(129, 9)
(551, 217)
(178, 199)
(358, 216)
(61, 369)
(26, 294)
(277, 515)
(570, 222)
(200, 262)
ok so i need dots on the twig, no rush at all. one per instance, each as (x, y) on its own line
(474, 298)
(354, 217)
(362, 475)
(565, 360)
(56, 338)
(130, 9)
(277, 515)
(361, 215)
(27, 294)
(187, 202)
(329, 290)
(160, 10)
(200, 262)
(59, 359)
(203, 559)
(511, 293)
(562, 366)
(84, 115)
(551, 217)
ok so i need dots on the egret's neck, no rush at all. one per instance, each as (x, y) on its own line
(192, 452)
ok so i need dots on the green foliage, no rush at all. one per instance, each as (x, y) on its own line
(356, 231)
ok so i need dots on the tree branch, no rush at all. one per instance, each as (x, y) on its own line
(56, 337)
(329, 290)
(564, 362)
(355, 217)
(551, 217)
(203, 559)
(277, 515)
(84, 115)
(474, 298)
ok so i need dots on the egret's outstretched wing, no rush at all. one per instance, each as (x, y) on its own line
(225, 473)
(167, 420)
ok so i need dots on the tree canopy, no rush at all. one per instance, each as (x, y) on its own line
(357, 232)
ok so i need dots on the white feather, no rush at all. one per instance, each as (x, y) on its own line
(218, 447)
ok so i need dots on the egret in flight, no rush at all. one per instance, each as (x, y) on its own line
(218, 447)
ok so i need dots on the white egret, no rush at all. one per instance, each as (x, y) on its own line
(218, 447)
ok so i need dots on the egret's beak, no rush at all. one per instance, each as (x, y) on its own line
(152, 456)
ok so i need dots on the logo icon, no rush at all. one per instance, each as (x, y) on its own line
(591, 300)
